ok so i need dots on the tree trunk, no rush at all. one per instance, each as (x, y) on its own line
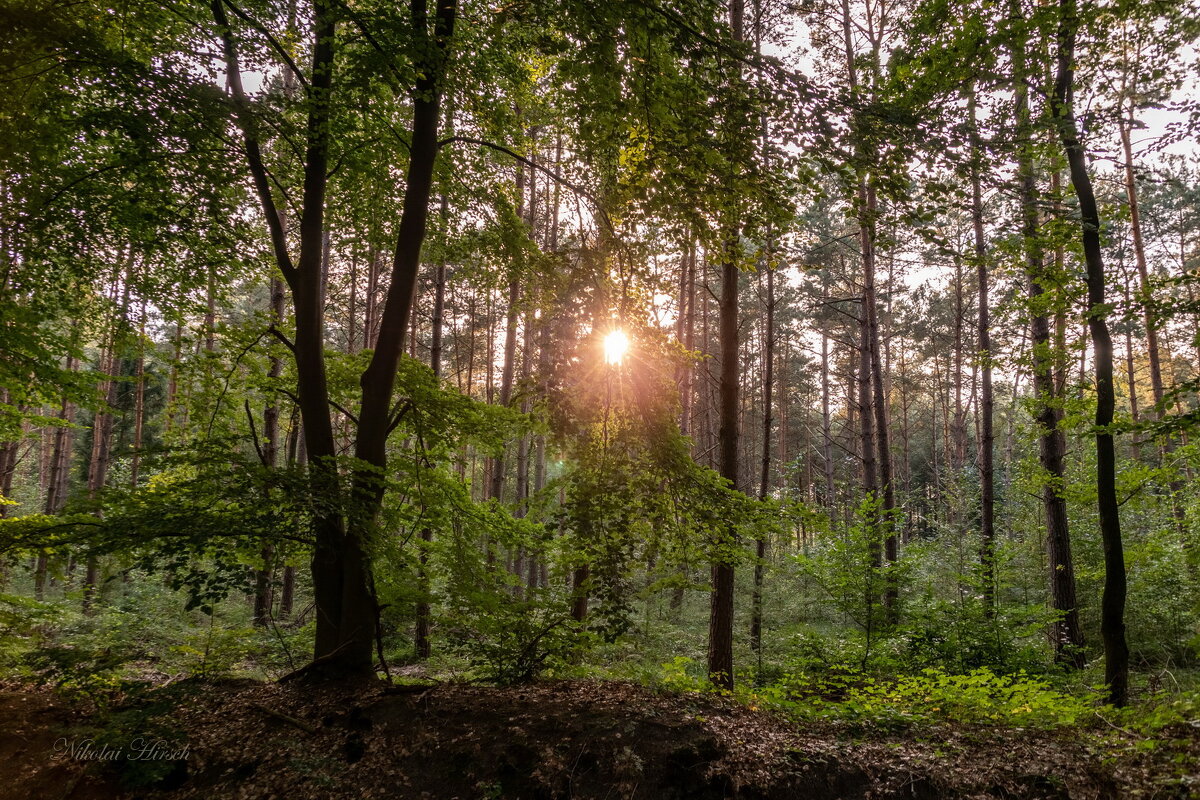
(342, 584)
(959, 426)
(1067, 636)
(764, 484)
(298, 457)
(826, 424)
(263, 596)
(1125, 124)
(378, 380)
(891, 597)
(579, 593)
(1131, 382)
(987, 489)
(720, 621)
(1112, 606)
(102, 428)
(139, 401)
(421, 631)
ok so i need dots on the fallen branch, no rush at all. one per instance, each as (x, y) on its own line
(298, 723)
(316, 663)
(409, 688)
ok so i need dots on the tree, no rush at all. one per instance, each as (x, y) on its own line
(1112, 620)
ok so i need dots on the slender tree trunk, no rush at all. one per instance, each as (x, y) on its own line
(866, 432)
(8, 466)
(891, 597)
(987, 403)
(1066, 634)
(102, 428)
(959, 427)
(875, 434)
(720, 623)
(905, 442)
(59, 477)
(826, 425)
(764, 484)
(263, 595)
(685, 333)
(139, 401)
(506, 377)
(421, 632)
(783, 399)
(1112, 606)
(370, 325)
(1125, 124)
(298, 457)
(1131, 377)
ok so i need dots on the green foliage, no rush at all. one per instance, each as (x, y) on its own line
(139, 634)
(142, 719)
(201, 520)
(33, 348)
(683, 674)
(930, 696)
(22, 620)
(512, 636)
(849, 566)
(960, 636)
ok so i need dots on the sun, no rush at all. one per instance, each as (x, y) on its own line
(616, 345)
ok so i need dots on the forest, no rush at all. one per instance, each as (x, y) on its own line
(599, 398)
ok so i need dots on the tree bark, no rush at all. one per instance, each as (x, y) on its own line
(1112, 606)
(826, 425)
(263, 589)
(421, 640)
(342, 584)
(102, 428)
(378, 380)
(987, 403)
(764, 484)
(1066, 635)
(1139, 254)
(720, 621)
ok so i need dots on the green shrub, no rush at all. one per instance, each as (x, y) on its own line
(979, 696)
(931, 696)
(516, 640)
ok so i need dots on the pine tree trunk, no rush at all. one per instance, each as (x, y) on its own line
(102, 428)
(139, 401)
(987, 403)
(826, 425)
(1135, 445)
(764, 484)
(1125, 124)
(720, 620)
(959, 426)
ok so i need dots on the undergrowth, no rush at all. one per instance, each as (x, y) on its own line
(934, 696)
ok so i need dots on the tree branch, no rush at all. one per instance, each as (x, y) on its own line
(275, 45)
(262, 182)
(579, 190)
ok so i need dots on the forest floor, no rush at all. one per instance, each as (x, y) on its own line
(577, 739)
